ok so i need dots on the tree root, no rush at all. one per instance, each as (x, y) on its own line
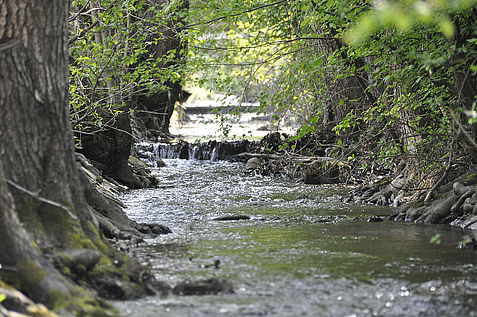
(383, 193)
(457, 206)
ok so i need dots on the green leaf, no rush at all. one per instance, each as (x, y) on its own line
(436, 239)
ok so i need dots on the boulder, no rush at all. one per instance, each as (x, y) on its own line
(79, 260)
(148, 228)
(253, 164)
(112, 288)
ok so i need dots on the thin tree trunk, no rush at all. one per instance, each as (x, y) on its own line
(155, 109)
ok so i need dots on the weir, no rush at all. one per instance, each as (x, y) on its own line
(211, 150)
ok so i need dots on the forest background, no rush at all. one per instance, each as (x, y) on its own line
(392, 82)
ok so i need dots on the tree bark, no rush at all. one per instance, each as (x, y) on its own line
(43, 209)
(36, 145)
(343, 93)
(17, 254)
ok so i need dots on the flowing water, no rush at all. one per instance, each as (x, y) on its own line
(302, 253)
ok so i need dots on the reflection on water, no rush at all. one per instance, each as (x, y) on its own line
(303, 253)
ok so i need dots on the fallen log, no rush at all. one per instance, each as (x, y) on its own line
(294, 158)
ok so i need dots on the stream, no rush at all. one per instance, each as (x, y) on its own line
(302, 253)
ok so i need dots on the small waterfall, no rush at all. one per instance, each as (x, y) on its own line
(193, 151)
(214, 156)
(172, 151)
(211, 150)
(166, 151)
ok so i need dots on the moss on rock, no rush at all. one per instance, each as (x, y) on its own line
(33, 273)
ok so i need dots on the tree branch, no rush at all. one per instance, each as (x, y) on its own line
(84, 31)
(43, 200)
(238, 14)
(237, 48)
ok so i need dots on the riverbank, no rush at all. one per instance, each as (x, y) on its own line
(96, 271)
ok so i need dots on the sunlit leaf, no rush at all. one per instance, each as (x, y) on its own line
(446, 27)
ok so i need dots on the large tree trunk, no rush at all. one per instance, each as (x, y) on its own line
(41, 190)
(36, 145)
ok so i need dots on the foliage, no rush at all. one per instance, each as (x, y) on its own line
(404, 15)
(406, 87)
(401, 90)
(465, 242)
(116, 52)
(436, 239)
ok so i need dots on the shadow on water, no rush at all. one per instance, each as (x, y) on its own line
(302, 253)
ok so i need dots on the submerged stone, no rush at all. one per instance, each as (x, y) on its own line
(232, 217)
(375, 219)
(203, 287)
